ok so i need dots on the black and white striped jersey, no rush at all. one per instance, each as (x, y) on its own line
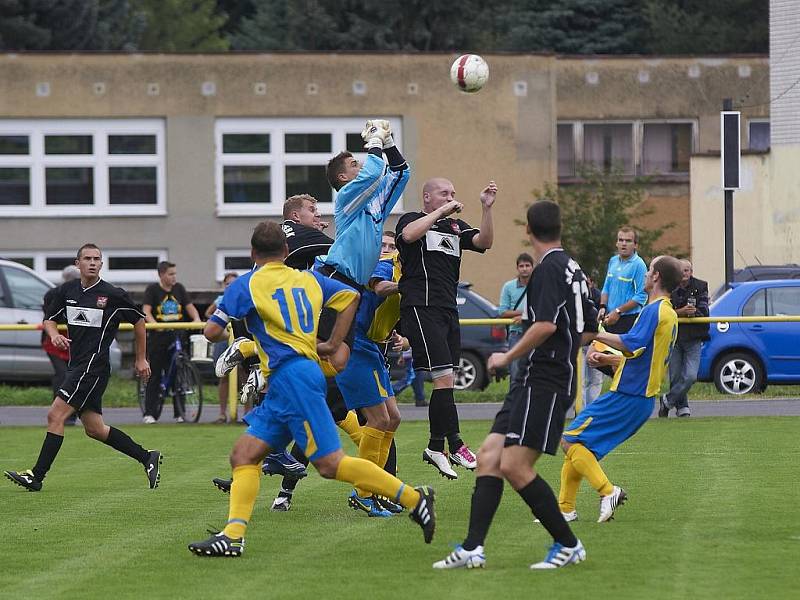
(431, 265)
(93, 316)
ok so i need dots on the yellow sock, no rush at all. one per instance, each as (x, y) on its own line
(244, 489)
(386, 444)
(351, 427)
(368, 476)
(369, 449)
(570, 482)
(586, 464)
(248, 348)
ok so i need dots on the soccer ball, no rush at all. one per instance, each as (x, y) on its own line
(469, 73)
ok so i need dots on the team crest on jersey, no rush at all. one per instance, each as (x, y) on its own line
(102, 301)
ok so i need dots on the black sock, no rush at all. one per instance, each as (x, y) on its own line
(287, 492)
(454, 441)
(543, 504)
(289, 483)
(298, 455)
(485, 500)
(121, 442)
(391, 460)
(449, 416)
(50, 447)
(438, 418)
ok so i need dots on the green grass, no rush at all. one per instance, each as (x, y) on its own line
(121, 392)
(710, 515)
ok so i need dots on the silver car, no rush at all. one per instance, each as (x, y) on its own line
(21, 354)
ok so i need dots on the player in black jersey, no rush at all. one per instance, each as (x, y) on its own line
(531, 420)
(303, 229)
(93, 310)
(430, 244)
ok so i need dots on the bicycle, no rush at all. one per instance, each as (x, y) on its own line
(182, 382)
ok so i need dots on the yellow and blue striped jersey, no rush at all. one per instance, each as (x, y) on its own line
(281, 307)
(650, 343)
(377, 316)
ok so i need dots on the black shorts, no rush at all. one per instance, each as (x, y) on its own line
(623, 324)
(434, 334)
(326, 321)
(532, 418)
(335, 401)
(84, 391)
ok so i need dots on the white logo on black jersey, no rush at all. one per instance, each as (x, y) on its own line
(443, 242)
(84, 317)
(72, 301)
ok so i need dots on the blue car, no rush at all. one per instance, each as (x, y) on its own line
(743, 358)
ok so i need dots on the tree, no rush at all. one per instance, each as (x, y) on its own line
(592, 212)
(182, 26)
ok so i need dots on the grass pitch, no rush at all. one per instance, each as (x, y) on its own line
(713, 513)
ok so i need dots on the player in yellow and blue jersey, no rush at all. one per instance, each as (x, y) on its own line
(617, 415)
(280, 306)
(365, 384)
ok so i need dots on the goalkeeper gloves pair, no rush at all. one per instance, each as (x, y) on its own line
(377, 134)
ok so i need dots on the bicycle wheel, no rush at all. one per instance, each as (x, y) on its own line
(188, 391)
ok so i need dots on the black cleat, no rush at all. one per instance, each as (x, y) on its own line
(24, 479)
(152, 467)
(386, 504)
(218, 544)
(223, 485)
(423, 513)
(663, 407)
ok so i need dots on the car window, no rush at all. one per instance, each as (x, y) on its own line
(26, 290)
(756, 306)
(783, 301)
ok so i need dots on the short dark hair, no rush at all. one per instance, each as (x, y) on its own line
(336, 166)
(229, 275)
(524, 257)
(295, 202)
(670, 270)
(629, 229)
(164, 266)
(268, 239)
(390, 234)
(544, 221)
(88, 246)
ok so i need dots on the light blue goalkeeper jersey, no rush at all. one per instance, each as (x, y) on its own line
(359, 214)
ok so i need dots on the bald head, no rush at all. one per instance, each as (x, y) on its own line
(437, 192)
(686, 268)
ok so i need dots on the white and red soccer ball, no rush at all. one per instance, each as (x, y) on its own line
(469, 73)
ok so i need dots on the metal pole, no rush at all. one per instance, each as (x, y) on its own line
(727, 104)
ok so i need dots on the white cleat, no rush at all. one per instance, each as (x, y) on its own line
(610, 503)
(460, 558)
(560, 556)
(230, 359)
(464, 458)
(440, 461)
(148, 420)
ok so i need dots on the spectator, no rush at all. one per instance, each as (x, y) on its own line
(689, 299)
(59, 357)
(164, 302)
(592, 378)
(623, 294)
(219, 348)
(512, 304)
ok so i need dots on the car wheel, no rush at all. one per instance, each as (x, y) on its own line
(739, 373)
(471, 373)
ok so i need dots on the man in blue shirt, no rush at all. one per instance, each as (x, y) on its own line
(623, 294)
(512, 305)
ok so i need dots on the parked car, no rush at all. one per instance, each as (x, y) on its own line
(743, 358)
(21, 354)
(761, 273)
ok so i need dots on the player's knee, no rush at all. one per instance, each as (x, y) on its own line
(95, 432)
(394, 421)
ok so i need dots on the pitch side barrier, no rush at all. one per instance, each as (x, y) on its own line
(233, 384)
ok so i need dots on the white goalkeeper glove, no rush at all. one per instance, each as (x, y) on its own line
(254, 385)
(375, 133)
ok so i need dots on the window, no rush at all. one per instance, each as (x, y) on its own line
(758, 135)
(119, 266)
(661, 148)
(238, 261)
(783, 301)
(261, 162)
(756, 306)
(27, 292)
(77, 167)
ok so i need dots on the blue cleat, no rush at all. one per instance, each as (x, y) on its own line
(284, 464)
(560, 556)
(368, 505)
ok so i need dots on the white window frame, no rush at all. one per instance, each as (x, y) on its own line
(757, 120)
(110, 275)
(277, 159)
(100, 161)
(224, 253)
(637, 129)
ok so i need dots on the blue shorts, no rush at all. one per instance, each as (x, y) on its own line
(294, 408)
(365, 380)
(608, 421)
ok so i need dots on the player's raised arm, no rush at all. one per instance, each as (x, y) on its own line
(485, 237)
